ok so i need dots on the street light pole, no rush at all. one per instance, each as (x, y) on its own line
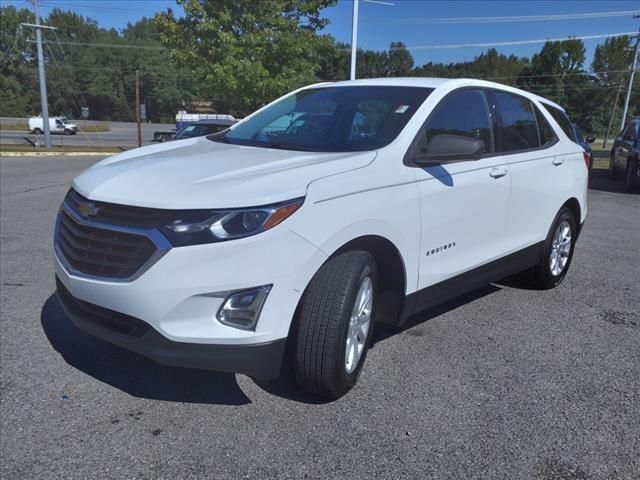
(42, 76)
(354, 31)
(354, 38)
(631, 75)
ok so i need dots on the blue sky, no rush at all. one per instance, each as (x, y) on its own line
(408, 21)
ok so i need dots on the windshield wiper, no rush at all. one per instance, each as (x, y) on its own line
(219, 137)
(286, 146)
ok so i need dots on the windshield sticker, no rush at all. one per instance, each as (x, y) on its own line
(402, 108)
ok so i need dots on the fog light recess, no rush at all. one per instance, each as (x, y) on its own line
(241, 309)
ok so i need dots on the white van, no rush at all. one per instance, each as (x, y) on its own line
(56, 125)
(283, 242)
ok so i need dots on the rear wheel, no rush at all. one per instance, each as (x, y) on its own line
(335, 323)
(631, 175)
(557, 251)
(37, 131)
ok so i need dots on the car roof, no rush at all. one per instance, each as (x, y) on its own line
(434, 82)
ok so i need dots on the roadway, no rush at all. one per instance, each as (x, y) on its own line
(505, 383)
(121, 134)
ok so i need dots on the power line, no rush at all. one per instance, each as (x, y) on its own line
(192, 75)
(111, 45)
(515, 42)
(85, 6)
(518, 18)
(415, 47)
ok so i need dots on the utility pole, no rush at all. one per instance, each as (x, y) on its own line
(354, 38)
(41, 73)
(613, 114)
(138, 107)
(631, 75)
(354, 31)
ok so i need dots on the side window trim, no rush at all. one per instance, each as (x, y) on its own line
(407, 159)
(538, 112)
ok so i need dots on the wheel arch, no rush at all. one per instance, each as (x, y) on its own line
(574, 205)
(392, 274)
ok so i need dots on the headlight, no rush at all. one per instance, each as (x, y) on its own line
(196, 227)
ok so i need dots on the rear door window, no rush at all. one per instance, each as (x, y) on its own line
(517, 124)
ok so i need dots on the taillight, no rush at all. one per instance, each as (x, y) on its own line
(587, 159)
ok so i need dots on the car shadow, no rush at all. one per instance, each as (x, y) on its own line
(286, 387)
(382, 332)
(133, 373)
(142, 377)
(600, 181)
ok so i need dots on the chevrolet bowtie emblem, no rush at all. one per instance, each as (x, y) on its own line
(88, 209)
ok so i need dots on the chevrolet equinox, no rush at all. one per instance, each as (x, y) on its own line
(334, 207)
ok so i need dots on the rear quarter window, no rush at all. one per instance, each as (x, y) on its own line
(563, 120)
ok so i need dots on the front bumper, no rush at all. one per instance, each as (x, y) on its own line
(261, 360)
(175, 301)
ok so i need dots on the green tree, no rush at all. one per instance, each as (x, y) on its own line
(611, 64)
(400, 60)
(488, 65)
(555, 70)
(17, 62)
(248, 51)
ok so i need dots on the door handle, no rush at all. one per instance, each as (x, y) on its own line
(498, 172)
(558, 161)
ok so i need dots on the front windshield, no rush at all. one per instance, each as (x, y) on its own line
(331, 119)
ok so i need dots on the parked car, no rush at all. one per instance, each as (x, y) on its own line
(232, 249)
(203, 127)
(56, 125)
(586, 144)
(625, 155)
(183, 119)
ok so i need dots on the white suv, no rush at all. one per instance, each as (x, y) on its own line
(334, 207)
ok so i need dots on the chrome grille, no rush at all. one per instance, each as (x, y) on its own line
(99, 251)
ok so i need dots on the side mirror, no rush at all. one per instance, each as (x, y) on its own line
(590, 139)
(447, 148)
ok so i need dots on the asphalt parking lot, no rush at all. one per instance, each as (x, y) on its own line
(504, 383)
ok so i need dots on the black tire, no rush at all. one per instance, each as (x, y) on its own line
(543, 277)
(630, 177)
(323, 324)
(37, 131)
(612, 165)
(67, 131)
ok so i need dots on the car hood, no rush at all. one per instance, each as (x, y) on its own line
(200, 173)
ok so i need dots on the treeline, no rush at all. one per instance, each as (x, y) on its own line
(240, 54)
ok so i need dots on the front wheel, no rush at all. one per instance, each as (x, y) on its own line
(335, 323)
(557, 251)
